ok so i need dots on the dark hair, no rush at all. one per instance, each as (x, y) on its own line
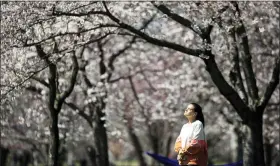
(198, 110)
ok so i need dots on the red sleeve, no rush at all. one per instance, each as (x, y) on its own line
(193, 147)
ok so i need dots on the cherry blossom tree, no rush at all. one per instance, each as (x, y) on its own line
(228, 39)
(45, 34)
(37, 38)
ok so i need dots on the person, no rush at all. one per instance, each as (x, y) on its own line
(191, 143)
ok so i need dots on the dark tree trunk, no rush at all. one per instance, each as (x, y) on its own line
(92, 155)
(153, 136)
(15, 158)
(25, 158)
(100, 138)
(167, 146)
(239, 156)
(155, 146)
(83, 162)
(4, 152)
(238, 152)
(268, 153)
(54, 145)
(56, 100)
(253, 141)
(253, 153)
(137, 146)
(100, 134)
(62, 155)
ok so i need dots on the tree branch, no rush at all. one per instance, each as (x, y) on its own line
(86, 79)
(34, 89)
(40, 80)
(274, 81)
(247, 60)
(135, 93)
(22, 82)
(80, 112)
(225, 89)
(42, 54)
(162, 43)
(61, 13)
(69, 90)
(114, 56)
(69, 104)
(147, 80)
(70, 33)
(98, 39)
(235, 73)
(102, 66)
(181, 20)
(52, 78)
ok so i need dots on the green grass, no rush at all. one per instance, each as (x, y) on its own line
(127, 163)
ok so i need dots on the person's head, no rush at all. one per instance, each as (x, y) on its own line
(194, 112)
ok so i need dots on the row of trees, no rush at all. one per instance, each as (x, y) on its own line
(121, 73)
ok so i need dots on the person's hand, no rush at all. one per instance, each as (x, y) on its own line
(181, 151)
(181, 156)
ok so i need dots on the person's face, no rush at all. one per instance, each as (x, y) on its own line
(189, 112)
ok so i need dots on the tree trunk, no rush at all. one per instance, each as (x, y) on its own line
(239, 156)
(253, 141)
(268, 153)
(155, 146)
(83, 162)
(238, 151)
(91, 155)
(25, 158)
(154, 132)
(137, 146)
(3, 155)
(54, 145)
(100, 138)
(168, 144)
(154, 138)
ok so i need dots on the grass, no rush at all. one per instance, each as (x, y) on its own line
(127, 163)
